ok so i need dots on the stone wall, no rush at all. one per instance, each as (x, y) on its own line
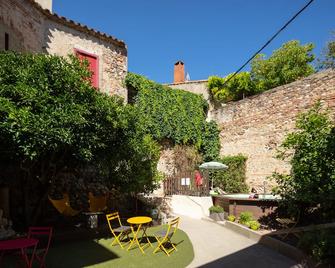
(46, 4)
(32, 29)
(197, 87)
(24, 25)
(61, 40)
(256, 126)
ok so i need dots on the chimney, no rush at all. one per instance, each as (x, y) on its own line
(179, 72)
(45, 4)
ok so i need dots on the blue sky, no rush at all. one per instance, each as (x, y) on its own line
(212, 37)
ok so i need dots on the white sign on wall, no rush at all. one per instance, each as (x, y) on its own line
(185, 181)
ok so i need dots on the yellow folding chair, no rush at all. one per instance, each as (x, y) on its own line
(163, 237)
(63, 206)
(97, 203)
(120, 232)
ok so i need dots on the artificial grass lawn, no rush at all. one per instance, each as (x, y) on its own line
(100, 254)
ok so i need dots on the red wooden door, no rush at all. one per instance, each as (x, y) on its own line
(93, 66)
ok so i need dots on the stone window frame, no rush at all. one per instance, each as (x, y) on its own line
(83, 51)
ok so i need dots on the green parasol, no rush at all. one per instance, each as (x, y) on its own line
(213, 166)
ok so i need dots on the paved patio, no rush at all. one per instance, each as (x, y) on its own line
(216, 246)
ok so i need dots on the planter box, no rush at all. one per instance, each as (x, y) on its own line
(217, 216)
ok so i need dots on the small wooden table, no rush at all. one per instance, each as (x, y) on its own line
(20, 244)
(139, 221)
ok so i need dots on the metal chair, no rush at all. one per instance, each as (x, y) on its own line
(163, 237)
(121, 231)
(63, 206)
(97, 203)
(43, 234)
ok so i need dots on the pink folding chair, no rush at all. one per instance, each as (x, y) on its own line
(43, 234)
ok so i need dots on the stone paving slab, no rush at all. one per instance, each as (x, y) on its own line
(216, 246)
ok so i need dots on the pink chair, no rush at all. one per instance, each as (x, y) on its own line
(44, 235)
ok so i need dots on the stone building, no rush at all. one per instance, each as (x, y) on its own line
(31, 26)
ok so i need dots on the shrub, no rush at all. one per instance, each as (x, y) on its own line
(231, 218)
(247, 224)
(320, 245)
(311, 182)
(245, 217)
(254, 225)
(236, 88)
(216, 209)
(233, 179)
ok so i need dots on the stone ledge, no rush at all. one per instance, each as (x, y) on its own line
(266, 240)
(243, 230)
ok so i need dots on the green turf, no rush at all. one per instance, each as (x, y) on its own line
(100, 254)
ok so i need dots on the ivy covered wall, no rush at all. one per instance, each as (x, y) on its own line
(173, 114)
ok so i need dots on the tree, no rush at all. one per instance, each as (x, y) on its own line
(286, 64)
(328, 58)
(310, 186)
(52, 120)
(236, 88)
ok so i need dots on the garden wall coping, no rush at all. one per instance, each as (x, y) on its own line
(264, 238)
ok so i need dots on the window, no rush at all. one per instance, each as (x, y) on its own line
(93, 61)
(6, 41)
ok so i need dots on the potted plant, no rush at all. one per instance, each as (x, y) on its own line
(216, 213)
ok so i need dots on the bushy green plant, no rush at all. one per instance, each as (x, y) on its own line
(173, 114)
(233, 179)
(216, 209)
(328, 55)
(320, 245)
(245, 217)
(52, 120)
(228, 89)
(231, 218)
(254, 225)
(210, 145)
(246, 224)
(286, 64)
(311, 152)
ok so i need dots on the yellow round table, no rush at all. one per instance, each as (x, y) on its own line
(138, 222)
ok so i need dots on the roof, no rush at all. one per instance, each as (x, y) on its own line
(78, 26)
(188, 82)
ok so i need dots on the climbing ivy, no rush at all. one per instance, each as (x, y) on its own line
(174, 114)
(210, 147)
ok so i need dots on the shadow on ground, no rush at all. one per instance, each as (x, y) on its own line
(100, 253)
(254, 256)
(79, 254)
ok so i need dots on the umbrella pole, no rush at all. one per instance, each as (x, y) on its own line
(212, 183)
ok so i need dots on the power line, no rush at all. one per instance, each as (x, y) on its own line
(270, 40)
